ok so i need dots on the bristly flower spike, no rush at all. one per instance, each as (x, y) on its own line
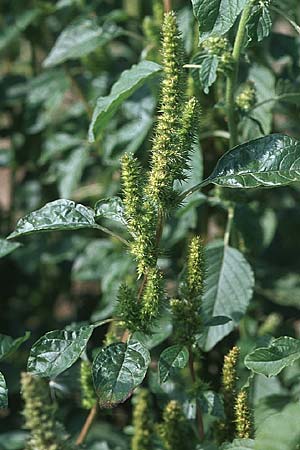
(142, 422)
(242, 416)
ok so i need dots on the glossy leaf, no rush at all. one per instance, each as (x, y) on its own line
(174, 357)
(58, 215)
(280, 431)
(216, 17)
(79, 39)
(9, 345)
(269, 161)
(228, 290)
(208, 72)
(3, 392)
(57, 350)
(270, 361)
(7, 247)
(129, 81)
(117, 370)
(239, 444)
(110, 208)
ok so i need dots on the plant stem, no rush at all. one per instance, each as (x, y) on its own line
(111, 233)
(232, 77)
(198, 410)
(87, 424)
(167, 5)
(229, 225)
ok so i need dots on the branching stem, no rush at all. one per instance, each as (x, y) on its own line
(87, 425)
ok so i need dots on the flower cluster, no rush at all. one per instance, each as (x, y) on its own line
(88, 398)
(174, 431)
(247, 97)
(142, 422)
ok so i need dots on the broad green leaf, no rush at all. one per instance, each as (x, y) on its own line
(216, 17)
(117, 370)
(13, 440)
(129, 81)
(9, 345)
(280, 431)
(58, 215)
(13, 31)
(270, 361)
(79, 39)
(211, 404)
(7, 247)
(57, 144)
(269, 161)
(57, 350)
(208, 72)
(3, 392)
(70, 171)
(228, 290)
(174, 357)
(239, 444)
(110, 208)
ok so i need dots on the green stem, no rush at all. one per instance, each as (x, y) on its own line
(232, 78)
(229, 225)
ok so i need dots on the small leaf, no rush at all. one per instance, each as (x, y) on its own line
(129, 81)
(174, 357)
(208, 72)
(7, 247)
(270, 361)
(216, 17)
(9, 345)
(211, 404)
(269, 161)
(58, 215)
(110, 208)
(117, 370)
(264, 24)
(228, 290)
(3, 392)
(239, 444)
(217, 321)
(79, 39)
(57, 350)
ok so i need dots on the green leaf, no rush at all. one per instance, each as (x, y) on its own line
(57, 350)
(58, 215)
(270, 361)
(239, 444)
(110, 208)
(208, 72)
(3, 392)
(280, 431)
(264, 24)
(13, 31)
(269, 161)
(129, 81)
(13, 440)
(216, 17)
(9, 345)
(228, 290)
(117, 370)
(7, 247)
(174, 357)
(211, 404)
(70, 171)
(79, 39)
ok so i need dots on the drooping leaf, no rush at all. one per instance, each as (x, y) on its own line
(58, 215)
(3, 392)
(216, 17)
(9, 345)
(264, 24)
(7, 247)
(280, 431)
(57, 350)
(79, 39)
(270, 361)
(269, 161)
(129, 81)
(117, 370)
(228, 290)
(208, 72)
(174, 357)
(239, 444)
(110, 208)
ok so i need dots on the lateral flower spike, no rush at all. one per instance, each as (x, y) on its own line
(152, 297)
(229, 382)
(174, 431)
(142, 422)
(242, 416)
(45, 432)
(88, 396)
(195, 267)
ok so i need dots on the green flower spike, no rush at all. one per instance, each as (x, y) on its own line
(242, 416)
(152, 298)
(195, 268)
(174, 431)
(142, 422)
(88, 397)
